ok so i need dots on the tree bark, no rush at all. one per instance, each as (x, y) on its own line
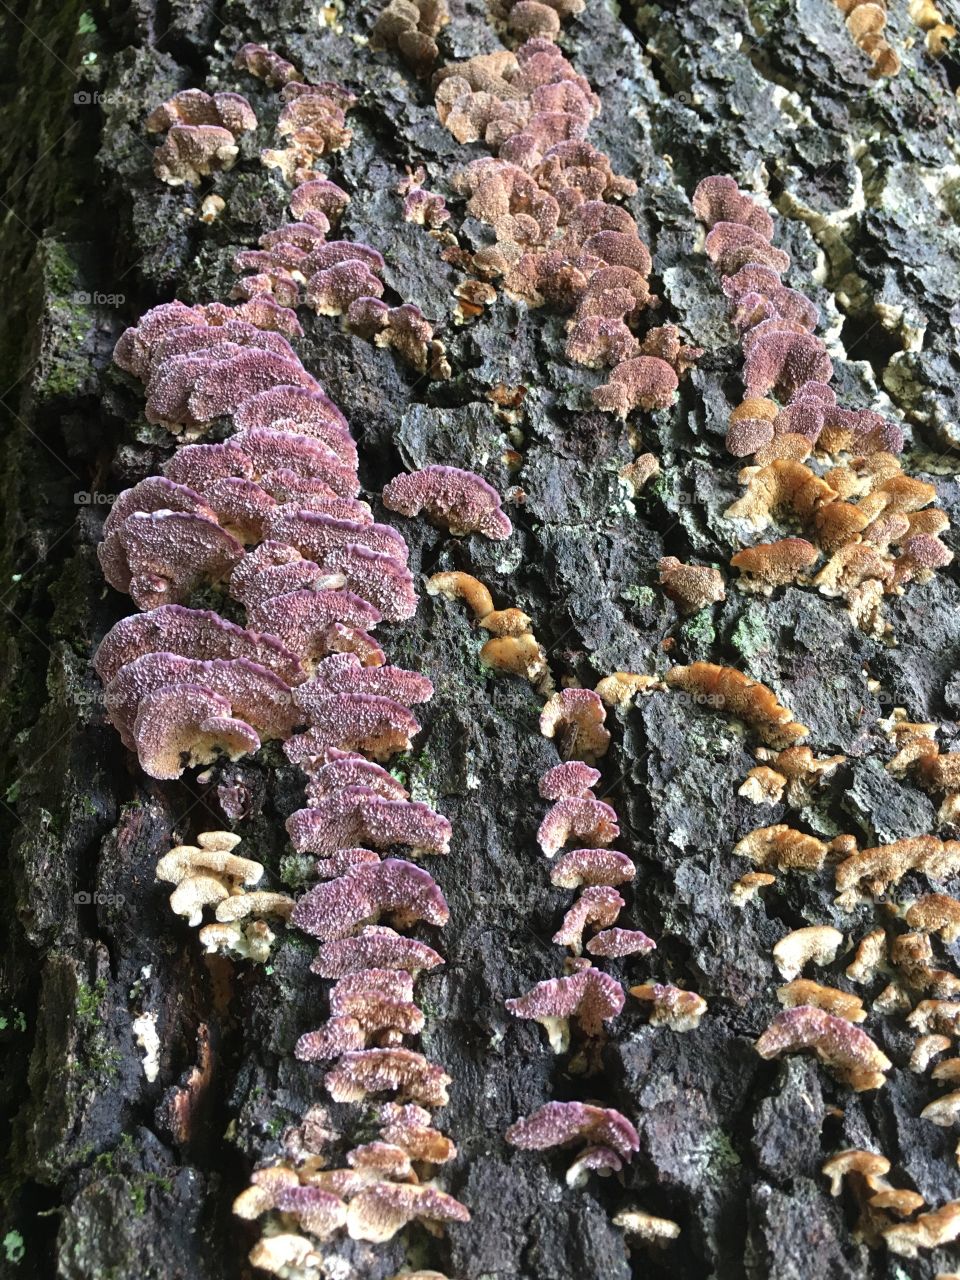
(114, 1174)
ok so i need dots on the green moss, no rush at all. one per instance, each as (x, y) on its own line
(750, 636)
(642, 597)
(699, 630)
(13, 1247)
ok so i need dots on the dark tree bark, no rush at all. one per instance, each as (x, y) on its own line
(115, 1175)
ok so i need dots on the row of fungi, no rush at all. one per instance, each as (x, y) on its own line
(876, 525)
(269, 520)
(586, 997)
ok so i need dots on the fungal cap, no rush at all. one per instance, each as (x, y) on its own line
(378, 1070)
(845, 1049)
(854, 1161)
(816, 944)
(462, 586)
(591, 866)
(839, 1003)
(588, 995)
(575, 719)
(581, 818)
(616, 943)
(383, 1209)
(572, 778)
(460, 501)
(671, 1006)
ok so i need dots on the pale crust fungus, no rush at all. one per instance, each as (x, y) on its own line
(839, 1003)
(815, 944)
(943, 1111)
(748, 886)
(873, 871)
(671, 1006)
(870, 955)
(574, 718)
(926, 1049)
(645, 1227)
(738, 695)
(781, 848)
(843, 1048)
(935, 913)
(619, 689)
(929, 1231)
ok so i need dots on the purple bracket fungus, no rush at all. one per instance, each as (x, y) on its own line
(671, 1006)
(842, 1047)
(319, 201)
(591, 867)
(183, 725)
(782, 361)
(617, 943)
(343, 769)
(580, 818)
(589, 996)
(360, 816)
(302, 620)
(381, 579)
(362, 722)
(344, 673)
(459, 501)
(253, 693)
(158, 557)
(383, 1209)
(573, 778)
(332, 290)
(191, 152)
(730, 246)
(609, 1137)
(343, 862)
(597, 905)
(399, 889)
(426, 208)
(409, 1128)
(316, 535)
(574, 718)
(194, 633)
(719, 199)
(192, 106)
(644, 382)
(374, 947)
(370, 1071)
(265, 65)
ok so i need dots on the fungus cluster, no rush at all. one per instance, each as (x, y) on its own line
(269, 516)
(874, 524)
(866, 21)
(512, 647)
(201, 134)
(550, 197)
(938, 32)
(411, 27)
(884, 1210)
(586, 998)
(296, 264)
(210, 875)
(918, 757)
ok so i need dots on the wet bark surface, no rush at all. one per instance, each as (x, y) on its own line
(115, 1175)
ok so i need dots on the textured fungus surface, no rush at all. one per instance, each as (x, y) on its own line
(147, 1074)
